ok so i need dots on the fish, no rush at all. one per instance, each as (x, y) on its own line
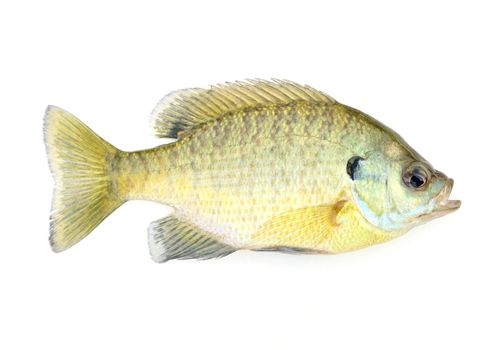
(262, 165)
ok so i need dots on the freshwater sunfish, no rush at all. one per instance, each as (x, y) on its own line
(260, 165)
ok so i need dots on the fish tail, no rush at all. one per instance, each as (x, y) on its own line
(83, 195)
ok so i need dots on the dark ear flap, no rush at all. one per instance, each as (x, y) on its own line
(352, 167)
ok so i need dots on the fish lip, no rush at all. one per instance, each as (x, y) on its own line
(442, 204)
(442, 201)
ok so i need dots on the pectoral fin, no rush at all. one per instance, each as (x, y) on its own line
(300, 230)
(173, 238)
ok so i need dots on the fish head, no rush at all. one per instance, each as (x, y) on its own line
(396, 192)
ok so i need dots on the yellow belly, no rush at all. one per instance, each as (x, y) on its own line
(234, 177)
(240, 192)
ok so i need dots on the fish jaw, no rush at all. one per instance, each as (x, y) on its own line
(444, 205)
(441, 203)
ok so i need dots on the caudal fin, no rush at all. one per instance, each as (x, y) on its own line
(82, 195)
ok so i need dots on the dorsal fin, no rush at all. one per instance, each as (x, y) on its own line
(184, 110)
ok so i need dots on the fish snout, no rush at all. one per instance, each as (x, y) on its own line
(442, 201)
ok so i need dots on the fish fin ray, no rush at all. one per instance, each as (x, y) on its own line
(289, 250)
(301, 229)
(184, 110)
(82, 197)
(173, 238)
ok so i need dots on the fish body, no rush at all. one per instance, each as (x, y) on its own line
(258, 165)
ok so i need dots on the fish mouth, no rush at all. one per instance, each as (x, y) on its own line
(444, 205)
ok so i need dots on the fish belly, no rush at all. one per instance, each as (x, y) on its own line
(236, 176)
(232, 190)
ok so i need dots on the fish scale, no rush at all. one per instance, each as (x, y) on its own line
(261, 165)
(286, 170)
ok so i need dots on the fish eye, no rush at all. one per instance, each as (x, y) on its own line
(415, 178)
(353, 166)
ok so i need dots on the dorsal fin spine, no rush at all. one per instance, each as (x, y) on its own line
(182, 111)
(227, 100)
(211, 101)
(258, 97)
(268, 92)
(208, 104)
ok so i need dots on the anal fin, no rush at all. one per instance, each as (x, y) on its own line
(173, 238)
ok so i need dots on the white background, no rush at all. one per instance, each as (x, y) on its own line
(420, 67)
